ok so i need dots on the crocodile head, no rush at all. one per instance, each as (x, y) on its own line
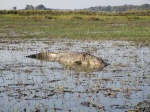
(96, 62)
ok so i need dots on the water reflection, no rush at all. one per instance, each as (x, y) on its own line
(79, 68)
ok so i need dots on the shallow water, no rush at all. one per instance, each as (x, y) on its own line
(31, 85)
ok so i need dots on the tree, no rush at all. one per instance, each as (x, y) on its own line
(40, 7)
(145, 6)
(29, 7)
(122, 8)
(108, 8)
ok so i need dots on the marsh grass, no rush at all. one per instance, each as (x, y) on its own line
(130, 26)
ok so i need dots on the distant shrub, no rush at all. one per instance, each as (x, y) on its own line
(77, 14)
(93, 18)
(50, 17)
(133, 17)
(77, 17)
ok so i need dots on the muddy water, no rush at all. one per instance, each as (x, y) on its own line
(32, 85)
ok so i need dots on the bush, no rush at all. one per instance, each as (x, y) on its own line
(93, 18)
(77, 17)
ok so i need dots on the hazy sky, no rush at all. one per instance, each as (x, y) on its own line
(67, 4)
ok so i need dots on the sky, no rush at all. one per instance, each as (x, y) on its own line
(67, 4)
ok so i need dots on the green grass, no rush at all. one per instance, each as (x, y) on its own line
(77, 25)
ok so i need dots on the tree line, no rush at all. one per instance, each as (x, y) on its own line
(108, 8)
(122, 8)
(39, 7)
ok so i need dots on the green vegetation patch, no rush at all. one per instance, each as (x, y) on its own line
(75, 25)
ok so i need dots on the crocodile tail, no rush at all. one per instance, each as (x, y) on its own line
(48, 56)
(32, 56)
(38, 56)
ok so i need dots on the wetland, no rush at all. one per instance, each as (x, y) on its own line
(121, 39)
(34, 85)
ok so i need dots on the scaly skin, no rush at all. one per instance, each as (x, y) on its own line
(79, 58)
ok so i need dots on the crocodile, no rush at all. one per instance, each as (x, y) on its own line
(71, 58)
